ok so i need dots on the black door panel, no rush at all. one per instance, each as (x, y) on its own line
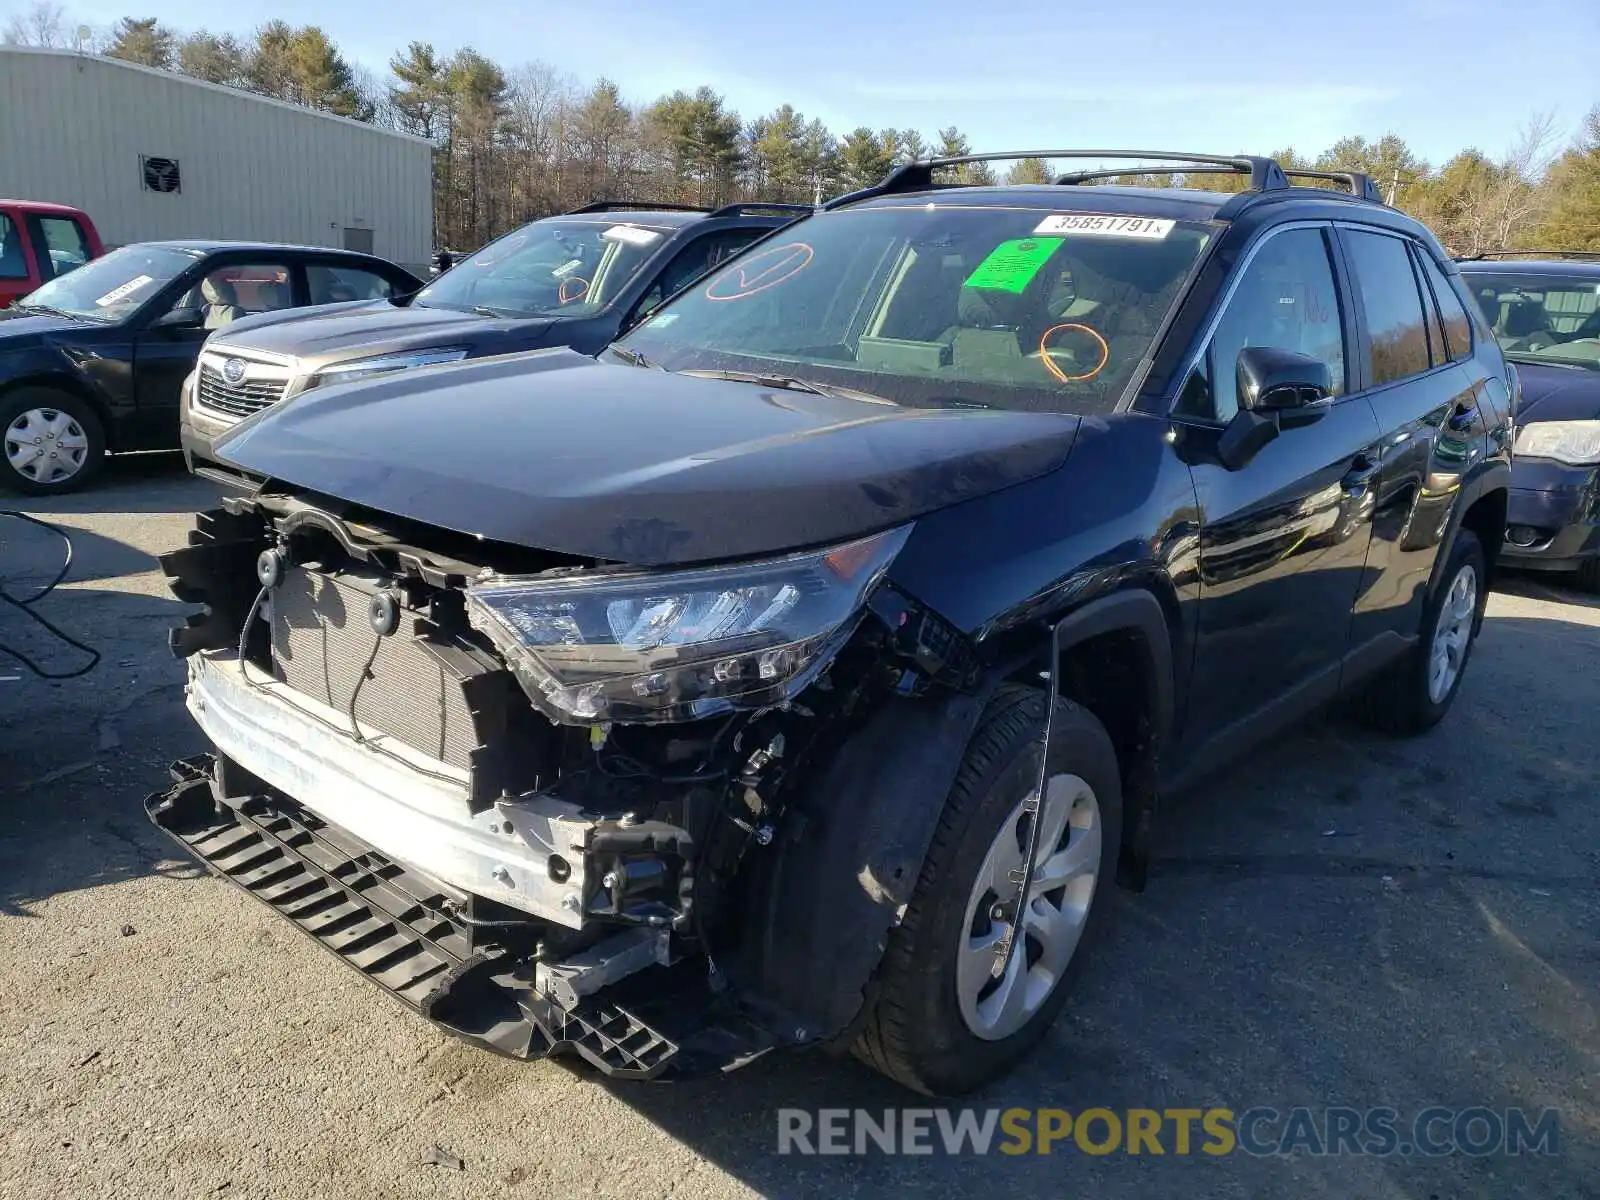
(1283, 547)
(1433, 430)
(1284, 536)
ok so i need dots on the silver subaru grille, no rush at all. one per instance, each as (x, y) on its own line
(239, 399)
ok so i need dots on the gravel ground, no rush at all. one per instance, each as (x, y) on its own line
(1344, 921)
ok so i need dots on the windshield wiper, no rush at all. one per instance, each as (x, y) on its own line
(789, 383)
(633, 358)
(52, 311)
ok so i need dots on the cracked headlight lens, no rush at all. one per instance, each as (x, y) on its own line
(652, 646)
(1576, 443)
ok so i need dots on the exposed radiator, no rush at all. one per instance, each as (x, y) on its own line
(321, 641)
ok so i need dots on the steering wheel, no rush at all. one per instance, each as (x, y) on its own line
(1049, 363)
(573, 288)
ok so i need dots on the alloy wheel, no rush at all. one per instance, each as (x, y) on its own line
(1052, 915)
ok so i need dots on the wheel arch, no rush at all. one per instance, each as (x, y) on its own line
(852, 846)
(61, 381)
(1480, 507)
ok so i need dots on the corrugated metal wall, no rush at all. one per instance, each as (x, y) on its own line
(73, 129)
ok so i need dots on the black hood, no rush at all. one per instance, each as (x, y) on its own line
(337, 332)
(20, 330)
(559, 452)
(1557, 393)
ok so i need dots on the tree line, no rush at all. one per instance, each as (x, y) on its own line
(513, 144)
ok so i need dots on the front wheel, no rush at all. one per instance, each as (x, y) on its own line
(52, 442)
(943, 1022)
(1413, 695)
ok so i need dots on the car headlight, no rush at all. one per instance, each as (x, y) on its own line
(652, 646)
(1576, 443)
(366, 368)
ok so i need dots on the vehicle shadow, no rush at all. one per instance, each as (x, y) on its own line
(1545, 585)
(149, 482)
(1345, 920)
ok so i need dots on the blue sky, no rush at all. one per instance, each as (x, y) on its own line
(1226, 75)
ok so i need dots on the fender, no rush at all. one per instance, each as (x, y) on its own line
(58, 373)
(852, 847)
(1138, 611)
(1491, 475)
(847, 859)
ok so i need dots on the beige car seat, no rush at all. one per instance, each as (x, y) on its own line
(221, 302)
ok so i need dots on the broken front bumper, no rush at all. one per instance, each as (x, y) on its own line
(526, 855)
(396, 926)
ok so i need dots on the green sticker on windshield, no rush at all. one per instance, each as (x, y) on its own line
(1012, 265)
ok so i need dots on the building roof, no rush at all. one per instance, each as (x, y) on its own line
(189, 81)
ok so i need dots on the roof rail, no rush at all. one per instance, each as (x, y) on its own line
(1361, 186)
(1265, 174)
(754, 206)
(599, 206)
(1482, 254)
(1359, 182)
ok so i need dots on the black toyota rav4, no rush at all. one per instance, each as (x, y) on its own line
(804, 669)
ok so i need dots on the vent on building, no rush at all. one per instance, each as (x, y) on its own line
(160, 174)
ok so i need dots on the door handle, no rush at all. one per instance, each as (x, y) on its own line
(1462, 417)
(1362, 470)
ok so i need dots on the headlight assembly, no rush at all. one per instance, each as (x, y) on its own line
(367, 368)
(654, 646)
(1576, 443)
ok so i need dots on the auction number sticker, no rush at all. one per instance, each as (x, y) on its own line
(123, 291)
(1106, 225)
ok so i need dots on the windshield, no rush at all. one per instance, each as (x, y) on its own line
(932, 306)
(1541, 317)
(111, 288)
(565, 267)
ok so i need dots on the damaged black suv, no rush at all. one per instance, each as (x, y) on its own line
(804, 669)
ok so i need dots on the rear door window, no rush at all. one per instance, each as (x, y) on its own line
(62, 244)
(1457, 327)
(1397, 326)
(337, 285)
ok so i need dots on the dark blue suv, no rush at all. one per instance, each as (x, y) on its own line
(802, 668)
(1545, 313)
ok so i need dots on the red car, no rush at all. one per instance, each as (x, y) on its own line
(39, 242)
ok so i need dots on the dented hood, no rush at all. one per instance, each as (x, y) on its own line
(559, 452)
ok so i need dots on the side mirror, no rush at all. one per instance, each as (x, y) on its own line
(179, 318)
(1278, 390)
(1274, 380)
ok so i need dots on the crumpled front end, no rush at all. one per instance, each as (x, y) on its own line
(536, 876)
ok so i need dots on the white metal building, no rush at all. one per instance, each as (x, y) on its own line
(151, 155)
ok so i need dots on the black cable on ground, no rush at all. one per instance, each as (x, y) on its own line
(24, 607)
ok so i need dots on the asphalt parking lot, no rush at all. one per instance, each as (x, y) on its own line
(1344, 921)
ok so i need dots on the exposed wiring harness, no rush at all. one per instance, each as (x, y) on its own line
(25, 607)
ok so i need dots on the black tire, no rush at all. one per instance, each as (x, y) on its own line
(28, 399)
(915, 1033)
(1589, 576)
(1399, 700)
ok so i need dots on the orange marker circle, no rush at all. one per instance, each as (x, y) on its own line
(1049, 363)
(565, 297)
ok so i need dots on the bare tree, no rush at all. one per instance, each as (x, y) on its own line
(42, 25)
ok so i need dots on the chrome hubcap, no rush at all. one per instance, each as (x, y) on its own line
(1052, 915)
(45, 445)
(1452, 634)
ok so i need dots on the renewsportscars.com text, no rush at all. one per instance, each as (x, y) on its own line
(1215, 1131)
